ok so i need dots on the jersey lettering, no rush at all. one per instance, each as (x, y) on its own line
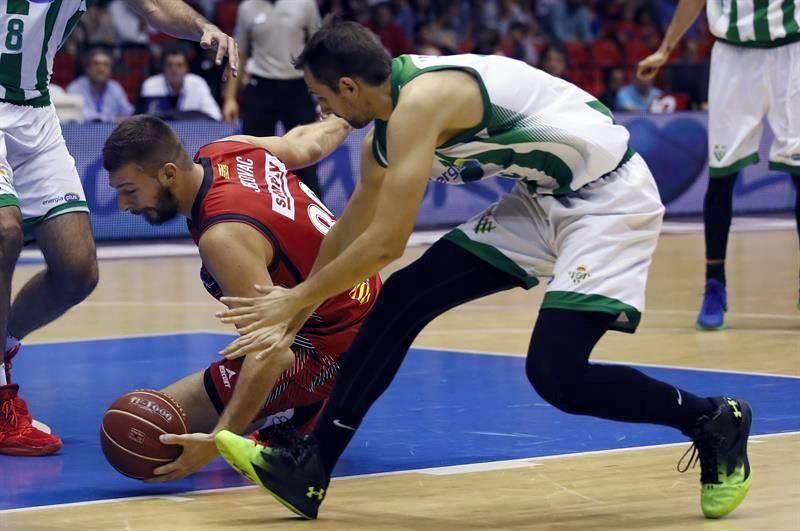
(244, 169)
(282, 200)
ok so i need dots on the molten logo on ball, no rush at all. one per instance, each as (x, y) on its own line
(136, 436)
(152, 406)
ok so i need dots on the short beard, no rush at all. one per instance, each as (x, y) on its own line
(165, 210)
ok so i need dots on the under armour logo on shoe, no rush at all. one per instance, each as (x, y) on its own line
(735, 406)
(319, 493)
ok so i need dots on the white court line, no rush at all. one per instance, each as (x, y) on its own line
(485, 467)
(451, 331)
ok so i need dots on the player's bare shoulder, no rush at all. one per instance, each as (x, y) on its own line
(453, 96)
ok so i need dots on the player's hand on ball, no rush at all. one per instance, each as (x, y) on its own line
(649, 66)
(277, 304)
(198, 450)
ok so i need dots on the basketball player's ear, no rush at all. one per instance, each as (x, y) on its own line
(349, 86)
(168, 174)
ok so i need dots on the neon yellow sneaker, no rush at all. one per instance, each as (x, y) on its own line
(293, 476)
(720, 444)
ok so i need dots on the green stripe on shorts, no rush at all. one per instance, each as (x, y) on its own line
(788, 168)
(493, 256)
(8, 200)
(735, 167)
(628, 317)
(30, 224)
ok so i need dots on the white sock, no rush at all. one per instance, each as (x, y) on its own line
(11, 342)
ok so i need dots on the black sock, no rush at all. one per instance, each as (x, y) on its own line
(444, 277)
(560, 372)
(717, 213)
(715, 270)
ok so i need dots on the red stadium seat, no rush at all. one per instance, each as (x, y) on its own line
(64, 68)
(225, 15)
(605, 53)
(577, 53)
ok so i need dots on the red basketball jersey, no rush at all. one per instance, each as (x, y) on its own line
(247, 184)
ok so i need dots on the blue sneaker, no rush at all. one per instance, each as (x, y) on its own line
(715, 304)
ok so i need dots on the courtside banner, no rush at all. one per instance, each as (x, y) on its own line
(674, 146)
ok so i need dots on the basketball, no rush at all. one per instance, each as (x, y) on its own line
(131, 427)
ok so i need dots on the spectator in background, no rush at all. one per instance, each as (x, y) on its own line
(129, 27)
(177, 90)
(405, 17)
(637, 96)
(555, 61)
(446, 28)
(104, 100)
(391, 34)
(271, 33)
(614, 81)
(520, 44)
(423, 40)
(572, 21)
(511, 13)
(487, 42)
(689, 74)
(96, 27)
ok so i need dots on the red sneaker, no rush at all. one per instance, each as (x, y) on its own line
(17, 434)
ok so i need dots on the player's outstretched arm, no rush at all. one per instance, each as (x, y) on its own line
(685, 15)
(179, 20)
(237, 256)
(305, 144)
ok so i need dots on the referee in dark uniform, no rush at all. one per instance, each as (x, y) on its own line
(270, 34)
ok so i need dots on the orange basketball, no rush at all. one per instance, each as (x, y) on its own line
(131, 427)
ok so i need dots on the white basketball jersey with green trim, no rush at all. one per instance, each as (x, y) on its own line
(31, 32)
(536, 128)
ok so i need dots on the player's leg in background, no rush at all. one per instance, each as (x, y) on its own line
(18, 436)
(784, 116)
(11, 238)
(300, 109)
(737, 104)
(259, 108)
(71, 274)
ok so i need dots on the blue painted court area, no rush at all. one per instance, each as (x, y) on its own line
(445, 408)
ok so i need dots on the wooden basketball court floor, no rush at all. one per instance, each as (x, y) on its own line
(614, 487)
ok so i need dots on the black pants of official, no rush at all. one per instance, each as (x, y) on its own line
(268, 101)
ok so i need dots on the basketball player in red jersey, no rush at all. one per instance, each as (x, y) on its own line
(255, 223)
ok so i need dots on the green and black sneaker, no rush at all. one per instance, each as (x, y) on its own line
(720, 443)
(294, 476)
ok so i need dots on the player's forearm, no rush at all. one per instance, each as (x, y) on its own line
(320, 138)
(366, 256)
(255, 382)
(172, 16)
(232, 84)
(684, 17)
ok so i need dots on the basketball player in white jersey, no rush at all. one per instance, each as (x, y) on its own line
(41, 196)
(755, 72)
(584, 217)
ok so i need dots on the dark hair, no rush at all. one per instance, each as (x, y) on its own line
(345, 49)
(144, 140)
(176, 48)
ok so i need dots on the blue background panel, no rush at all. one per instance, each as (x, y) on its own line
(444, 408)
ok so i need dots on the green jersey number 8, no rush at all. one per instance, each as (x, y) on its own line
(14, 35)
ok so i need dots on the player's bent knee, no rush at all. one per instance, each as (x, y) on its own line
(11, 235)
(559, 390)
(76, 278)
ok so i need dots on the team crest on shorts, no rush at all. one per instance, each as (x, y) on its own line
(719, 151)
(579, 275)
